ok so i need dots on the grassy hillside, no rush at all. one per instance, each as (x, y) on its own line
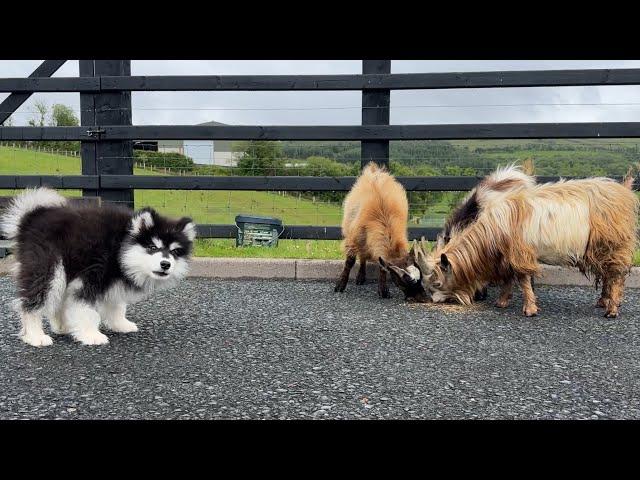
(598, 144)
(223, 206)
(203, 206)
(18, 161)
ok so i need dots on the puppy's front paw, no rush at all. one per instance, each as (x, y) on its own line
(123, 326)
(37, 340)
(92, 338)
(58, 328)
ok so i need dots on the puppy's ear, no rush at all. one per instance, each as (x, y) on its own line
(186, 226)
(141, 220)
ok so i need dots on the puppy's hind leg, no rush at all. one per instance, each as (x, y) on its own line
(56, 323)
(32, 332)
(83, 323)
(113, 317)
(40, 290)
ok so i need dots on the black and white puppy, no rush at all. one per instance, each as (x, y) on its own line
(81, 266)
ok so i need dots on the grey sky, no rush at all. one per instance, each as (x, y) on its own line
(343, 108)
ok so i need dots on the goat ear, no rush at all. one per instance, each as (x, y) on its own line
(444, 261)
(401, 273)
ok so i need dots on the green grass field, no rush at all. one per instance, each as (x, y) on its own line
(311, 249)
(19, 161)
(203, 206)
(223, 206)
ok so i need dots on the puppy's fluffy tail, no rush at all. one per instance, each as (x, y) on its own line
(27, 202)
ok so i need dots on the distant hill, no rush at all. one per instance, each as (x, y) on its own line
(581, 157)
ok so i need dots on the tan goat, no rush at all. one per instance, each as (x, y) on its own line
(374, 227)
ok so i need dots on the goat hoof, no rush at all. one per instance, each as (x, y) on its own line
(481, 295)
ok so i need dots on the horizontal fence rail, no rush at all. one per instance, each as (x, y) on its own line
(294, 183)
(322, 133)
(305, 232)
(64, 182)
(259, 183)
(391, 81)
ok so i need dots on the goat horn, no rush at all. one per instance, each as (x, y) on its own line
(423, 245)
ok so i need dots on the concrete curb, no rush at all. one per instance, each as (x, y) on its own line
(294, 269)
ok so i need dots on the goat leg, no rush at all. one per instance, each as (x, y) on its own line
(344, 276)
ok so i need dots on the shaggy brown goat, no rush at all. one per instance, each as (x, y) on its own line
(590, 224)
(498, 182)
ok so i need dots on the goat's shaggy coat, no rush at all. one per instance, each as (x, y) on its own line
(374, 227)
(489, 188)
(590, 224)
(495, 184)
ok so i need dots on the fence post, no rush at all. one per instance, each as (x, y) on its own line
(112, 157)
(88, 119)
(375, 111)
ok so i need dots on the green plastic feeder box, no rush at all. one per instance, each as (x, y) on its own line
(258, 231)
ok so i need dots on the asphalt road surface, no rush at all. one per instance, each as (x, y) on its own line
(215, 349)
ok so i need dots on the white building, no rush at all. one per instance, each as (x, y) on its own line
(203, 152)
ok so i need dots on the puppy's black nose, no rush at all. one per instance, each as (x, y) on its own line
(165, 265)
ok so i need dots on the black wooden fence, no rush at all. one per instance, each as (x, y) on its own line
(106, 133)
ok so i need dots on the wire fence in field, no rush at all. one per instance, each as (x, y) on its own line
(40, 147)
(333, 159)
(30, 112)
